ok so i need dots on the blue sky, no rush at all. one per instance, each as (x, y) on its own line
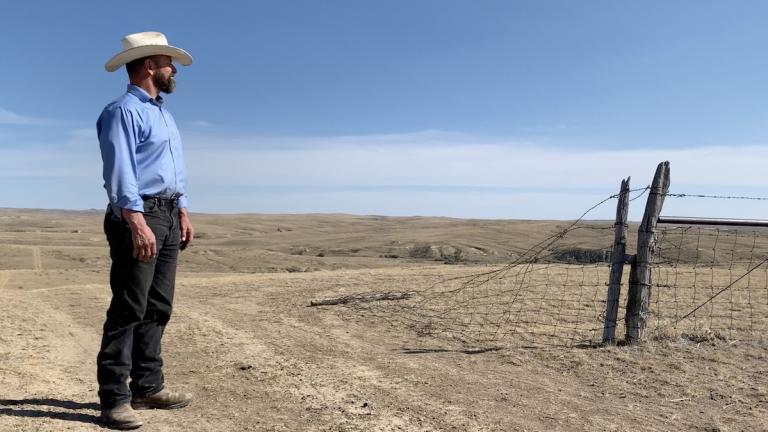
(498, 109)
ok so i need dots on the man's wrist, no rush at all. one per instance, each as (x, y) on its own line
(134, 218)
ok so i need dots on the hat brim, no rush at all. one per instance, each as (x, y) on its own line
(178, 54)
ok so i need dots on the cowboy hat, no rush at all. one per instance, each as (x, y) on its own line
(144, 44)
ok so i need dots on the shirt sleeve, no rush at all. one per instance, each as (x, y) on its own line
(182, 202)
(117, 141)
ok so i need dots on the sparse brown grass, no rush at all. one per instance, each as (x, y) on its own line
(244, 339)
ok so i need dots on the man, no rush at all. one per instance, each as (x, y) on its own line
(146, 225)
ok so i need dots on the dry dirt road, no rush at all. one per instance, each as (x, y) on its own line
(258, 358)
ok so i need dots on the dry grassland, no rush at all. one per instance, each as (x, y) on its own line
(454, 357)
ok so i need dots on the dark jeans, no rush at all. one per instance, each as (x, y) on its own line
(142, 298)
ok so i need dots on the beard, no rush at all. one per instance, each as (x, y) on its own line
(164, 83)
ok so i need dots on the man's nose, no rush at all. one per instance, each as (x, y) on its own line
(173, 68)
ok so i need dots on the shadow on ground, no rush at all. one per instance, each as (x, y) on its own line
(24, 408)
(446, 350)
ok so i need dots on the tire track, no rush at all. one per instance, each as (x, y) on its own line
(328, 365)
(47, 352)
(330, 396)
(79, 287)
(5, 276)
(37, 260)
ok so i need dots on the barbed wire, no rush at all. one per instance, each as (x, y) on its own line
(554, 292)
(551, 294)
(684, 195)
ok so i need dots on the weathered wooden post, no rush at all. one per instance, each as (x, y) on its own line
(618, 259)
(639, 295)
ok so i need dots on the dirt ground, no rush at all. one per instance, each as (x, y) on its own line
(257, 357)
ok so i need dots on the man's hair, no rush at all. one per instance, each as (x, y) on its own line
(134, 66)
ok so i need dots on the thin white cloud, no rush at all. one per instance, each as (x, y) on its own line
(199, 123)
(83, 133)
(426, 173)
(11, 118)
(432, 159)
(460, 172)
(422, 138)
(59, 162)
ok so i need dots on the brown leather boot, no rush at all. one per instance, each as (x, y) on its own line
(164, 399)
(121, 417)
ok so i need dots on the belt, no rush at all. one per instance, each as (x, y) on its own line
(162, 201)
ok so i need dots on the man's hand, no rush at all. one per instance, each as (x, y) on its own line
(187, 230)
(144, 242)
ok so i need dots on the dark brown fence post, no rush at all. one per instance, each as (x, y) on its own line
(639, 295)
(618, 258)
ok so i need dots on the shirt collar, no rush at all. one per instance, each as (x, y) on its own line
(143, 96)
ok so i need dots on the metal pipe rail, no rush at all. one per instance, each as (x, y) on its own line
(757, 223)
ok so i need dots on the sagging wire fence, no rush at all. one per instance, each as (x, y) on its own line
(566, 290)
(553, 294)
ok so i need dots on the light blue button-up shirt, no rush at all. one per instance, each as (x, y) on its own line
(141, 150)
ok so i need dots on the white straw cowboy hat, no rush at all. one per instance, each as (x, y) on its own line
(144, 44)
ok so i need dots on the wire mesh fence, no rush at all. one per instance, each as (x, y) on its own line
(704, 281)
(553, 294)
(711, 279)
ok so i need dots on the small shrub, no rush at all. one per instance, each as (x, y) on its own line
(581, 255)
(422, 251)
(295, 269)
(456, 257)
